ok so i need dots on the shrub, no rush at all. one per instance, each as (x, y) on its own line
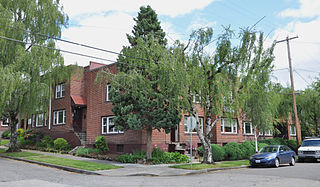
(200, 151)
(248, 148)
(128, 158)
(101, 144)
(5, 134)
(292, 143)
(61, 144)
(47, 142)
(261, 145)
(218, 152)
(20, 132)
(233, 151)
(156, 152)
(273, 141)
(87, 151)
(165, 158)
(23, 142)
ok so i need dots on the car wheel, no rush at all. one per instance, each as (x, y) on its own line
(293, 161)
(276, 163)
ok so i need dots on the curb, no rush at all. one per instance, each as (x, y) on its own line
(213, 169)
(65, 168)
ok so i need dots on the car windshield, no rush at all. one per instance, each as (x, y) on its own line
(310, 143)
(269, 150)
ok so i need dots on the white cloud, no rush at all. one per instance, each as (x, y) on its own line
(307, 9)
(107, 33)
(163, 7)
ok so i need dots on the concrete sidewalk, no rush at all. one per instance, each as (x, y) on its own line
(127, 170)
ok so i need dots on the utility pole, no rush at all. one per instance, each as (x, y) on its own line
(296, 119)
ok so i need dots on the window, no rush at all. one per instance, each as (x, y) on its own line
(188, 120)
(266, 133)
(39, 120)
(108, 126)
(293, 130)
(60, 91)
(229, 125)
(108, 96)
(59, 117)
(247, 128)
(4, 121)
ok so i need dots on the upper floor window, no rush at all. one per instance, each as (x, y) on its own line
(108, 126)
(59, 117)
(247, 128)
(229, 125)
(293, 130)
(4, 121)
(108, 95)
(187, 122)
(60, 90)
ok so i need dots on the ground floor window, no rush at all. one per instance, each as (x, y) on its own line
(293, 130)
(247, 128)
(229, 125)
(108, 126)
(4, 121)
(187, 122)
(39, 120)
(59, 117)
(266, 133)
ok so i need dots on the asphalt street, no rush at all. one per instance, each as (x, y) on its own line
(16, 173)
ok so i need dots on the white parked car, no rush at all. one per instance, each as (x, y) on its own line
(309, 149)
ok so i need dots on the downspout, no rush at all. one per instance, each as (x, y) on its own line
(49, 125)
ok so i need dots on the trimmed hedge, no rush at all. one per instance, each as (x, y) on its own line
(248, 149)
(61, 144)
(233, 151)
(5, 134)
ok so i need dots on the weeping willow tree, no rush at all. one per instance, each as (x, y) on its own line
(221, 78)
(26, 70)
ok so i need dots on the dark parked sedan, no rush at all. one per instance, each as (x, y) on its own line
(273, 155)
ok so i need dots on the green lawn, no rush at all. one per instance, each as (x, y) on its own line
(20, 154)
(217, 165)
(2, 142)
(90, 166)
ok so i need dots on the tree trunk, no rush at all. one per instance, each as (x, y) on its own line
(13, 146)
(149, 142)
(256, 138)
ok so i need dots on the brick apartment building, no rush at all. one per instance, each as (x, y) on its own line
(81, 110)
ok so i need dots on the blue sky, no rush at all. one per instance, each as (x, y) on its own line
(104, 24)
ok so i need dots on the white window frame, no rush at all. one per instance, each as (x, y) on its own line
(267, 133)
(244, 128)
(39, 121)
(5, 123)
(295, 131)
(60, 91)
(186, 120)
(108, 89)
(234, 126)
(56, 118)
(105, 122)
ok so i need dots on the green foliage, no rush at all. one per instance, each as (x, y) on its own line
(87, 151)
(261, 145)
(147, 26)
(61, 144)
(248, 148)
(274, 141)
(20, 132)
(22, 141)
(47, 142)
(233, 151)
(158, 157)
(218, 152)
(5, 134)
(292, 143)
(101, 144)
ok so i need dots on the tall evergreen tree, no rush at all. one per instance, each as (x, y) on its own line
(144, 97)
(27, 72)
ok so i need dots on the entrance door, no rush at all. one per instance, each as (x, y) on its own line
(77, 120)
(174, 134)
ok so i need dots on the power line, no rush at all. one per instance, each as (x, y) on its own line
(308, 70)
(301, 77)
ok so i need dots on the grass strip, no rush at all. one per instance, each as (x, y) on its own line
(217, 165)
(18, 154)
(90, 166)
(3, 142)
